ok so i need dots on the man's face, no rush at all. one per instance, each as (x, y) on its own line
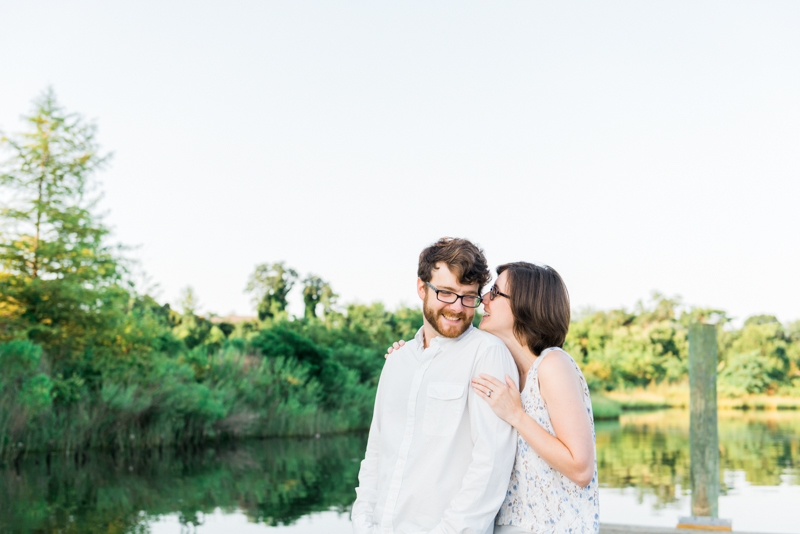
(449, 320)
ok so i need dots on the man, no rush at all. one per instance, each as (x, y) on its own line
(438, 459)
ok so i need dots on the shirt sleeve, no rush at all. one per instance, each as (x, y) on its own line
(484, 486)
(367, 490)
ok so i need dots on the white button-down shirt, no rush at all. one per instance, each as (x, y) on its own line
(438, 459)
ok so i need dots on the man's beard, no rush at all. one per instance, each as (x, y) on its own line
(445, 330)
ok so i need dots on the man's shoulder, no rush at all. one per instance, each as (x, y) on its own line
(492, 355)
(405, 355)
(486, 341)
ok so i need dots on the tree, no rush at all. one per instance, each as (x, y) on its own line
(328, 299)
(270, 284)
(317, 291)
(761, 319)
(57, 270)
(759, 358)
(188, 301)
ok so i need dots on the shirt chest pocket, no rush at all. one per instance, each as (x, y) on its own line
(443, 408)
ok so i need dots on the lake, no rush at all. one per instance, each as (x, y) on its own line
(306, 485)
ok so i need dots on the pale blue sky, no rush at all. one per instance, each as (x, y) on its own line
(634, 146)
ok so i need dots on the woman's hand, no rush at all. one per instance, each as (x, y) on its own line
(504, 400)
(396, 345)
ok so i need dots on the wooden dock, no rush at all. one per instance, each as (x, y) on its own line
(611, 528)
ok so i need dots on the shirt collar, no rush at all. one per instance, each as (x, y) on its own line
(441, 340)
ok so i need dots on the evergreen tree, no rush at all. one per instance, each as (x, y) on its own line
(56, 266)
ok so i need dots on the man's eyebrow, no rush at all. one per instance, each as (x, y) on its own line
(453, 290)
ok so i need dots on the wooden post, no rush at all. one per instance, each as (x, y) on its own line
(703, 435)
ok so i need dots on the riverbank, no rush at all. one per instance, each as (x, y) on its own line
(677, 396)
(284, 485)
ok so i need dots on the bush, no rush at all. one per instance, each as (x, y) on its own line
(605, 408)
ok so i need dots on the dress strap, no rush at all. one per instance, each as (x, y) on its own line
(544, 353)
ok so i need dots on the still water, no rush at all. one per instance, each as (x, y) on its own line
(306, 486)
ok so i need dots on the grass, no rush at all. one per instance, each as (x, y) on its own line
(760, 402)
(653, 397)
(604, 408)
(658, 396)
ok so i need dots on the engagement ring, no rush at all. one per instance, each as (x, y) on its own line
(489, 393)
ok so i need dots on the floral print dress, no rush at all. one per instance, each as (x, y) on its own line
(539, 498)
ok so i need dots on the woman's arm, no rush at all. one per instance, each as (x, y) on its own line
(571, 451)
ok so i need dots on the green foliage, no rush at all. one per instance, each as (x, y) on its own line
(19, 359)
(194, 330)
(618, 349)
(188, 301)
(604, 408)
(759, 358)
(58, 274)
(270, 284)
(793, 331)
(86, 361)
(318, 291)
(25, 393)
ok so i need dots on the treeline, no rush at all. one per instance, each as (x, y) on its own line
(621, 349)
(87, 360)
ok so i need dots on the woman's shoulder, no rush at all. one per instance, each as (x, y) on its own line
(560, 375)
(556, 362)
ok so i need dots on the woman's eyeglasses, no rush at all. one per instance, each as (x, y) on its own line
(494, 292)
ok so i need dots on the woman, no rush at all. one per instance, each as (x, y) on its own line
(553, 486)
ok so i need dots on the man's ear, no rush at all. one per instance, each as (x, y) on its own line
(421, 288)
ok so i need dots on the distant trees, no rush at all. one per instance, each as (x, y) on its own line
(270, 284)
(87, 361)
(759, 358)
(618, 349)
(188, 301)
(317, 291)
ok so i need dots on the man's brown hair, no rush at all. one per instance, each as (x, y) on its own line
(461, 256)
(540, 304)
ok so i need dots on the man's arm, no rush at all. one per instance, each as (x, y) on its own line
(367, 490)
(485, 484)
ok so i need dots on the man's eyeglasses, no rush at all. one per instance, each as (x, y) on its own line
(494, 292)
(448, 297)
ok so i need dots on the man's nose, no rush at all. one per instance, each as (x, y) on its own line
(457, 306)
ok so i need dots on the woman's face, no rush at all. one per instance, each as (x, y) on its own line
(497, 317)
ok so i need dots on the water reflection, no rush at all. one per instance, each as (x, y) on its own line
(650, 451)
(272, 482)
(643, 460)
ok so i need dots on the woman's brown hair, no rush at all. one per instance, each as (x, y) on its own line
(540, 304)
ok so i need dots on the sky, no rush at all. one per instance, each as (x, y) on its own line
(632, 146)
